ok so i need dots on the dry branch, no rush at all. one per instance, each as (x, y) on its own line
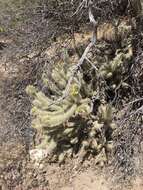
(83, 57)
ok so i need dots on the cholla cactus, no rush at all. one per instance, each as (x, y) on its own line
(52, 118)
(67, 126)
(70, 126)
(115, 66)
(112, 71)
(75, 125)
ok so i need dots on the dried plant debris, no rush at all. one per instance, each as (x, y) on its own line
(105, 9)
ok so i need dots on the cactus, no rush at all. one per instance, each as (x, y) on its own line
(115, 66)
(67, 126)
(71, 126)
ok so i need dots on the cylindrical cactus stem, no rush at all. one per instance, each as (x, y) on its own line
(105, 114)
(43, 113)
(74, 140)
(61, 157)
(31, 90)
(59, 79)
(56, 120)
(109, 146)
(94, 144)
(68, 130)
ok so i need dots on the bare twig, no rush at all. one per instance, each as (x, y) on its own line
(91, 64)
(131, 114)
(91, 17)
(74, 72)
(84, 3)
(134, 101)
(76, 68)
